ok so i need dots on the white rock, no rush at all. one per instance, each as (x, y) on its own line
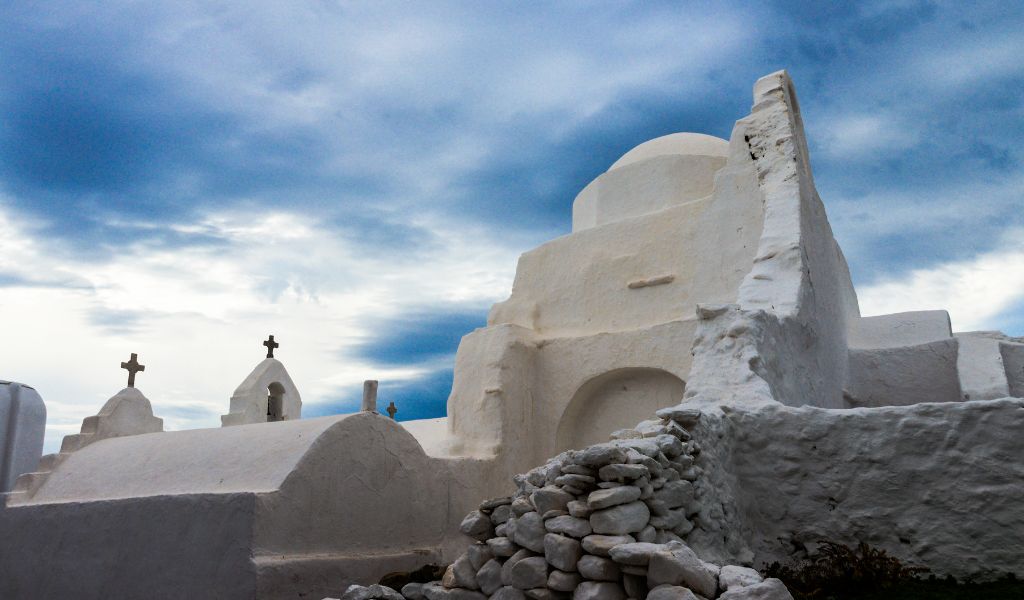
(687, 416)
(506, 569)
(578, 508)
(599, 590)
(621, 519)
(501, 546)
(682, 566)
(530, 532)
(508, 593)
(637, 553)
(521, 506)
(413, 591)
(732, 576)
(448, 579)
(611, 497)
(371, 592)
(621, 473)
(574, 526)
(635, 584)
(550, 498)
(598, 568)
(675, 494)
(489, 577)
(599, 455)
(769, 589)
(671, 592)
(602, 544)
(433, 591)
(562, 552)
(562, 581)
(355, 592)
(477, 525)
(530, 573)
(464, 573)
(500, 514)
(479, 553)
(543, 594)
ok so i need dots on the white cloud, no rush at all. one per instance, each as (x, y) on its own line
(876, 135)
(196, 315)
(975, 291)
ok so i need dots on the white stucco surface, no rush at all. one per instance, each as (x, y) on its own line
(126, 413)
(247, 458)
(667, 171)
(674, 144)
(899, 329)
(22, 427)
(980, 365)
(249, 402)
(935, 485)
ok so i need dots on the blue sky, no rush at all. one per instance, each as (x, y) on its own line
(181, 179)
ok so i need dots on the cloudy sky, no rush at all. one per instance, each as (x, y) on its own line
(181, 179)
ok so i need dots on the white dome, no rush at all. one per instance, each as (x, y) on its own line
(686, 144)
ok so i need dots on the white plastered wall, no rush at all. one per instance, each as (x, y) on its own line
(673, 223)
(249, 402)
(22, 427)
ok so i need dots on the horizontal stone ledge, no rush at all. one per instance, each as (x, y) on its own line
(642, 283)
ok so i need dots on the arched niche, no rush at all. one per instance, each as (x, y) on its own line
(275, 402)
(253, 402)
(616, 400)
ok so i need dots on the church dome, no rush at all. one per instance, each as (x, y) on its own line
(667, 171)
(679, 144)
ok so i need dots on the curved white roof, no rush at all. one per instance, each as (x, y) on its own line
(244, 458)
(686, 144)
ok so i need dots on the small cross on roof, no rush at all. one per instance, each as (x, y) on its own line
(271, 344)
(133, 367)
(392, 409)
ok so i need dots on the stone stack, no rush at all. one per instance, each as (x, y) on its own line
(603, 523)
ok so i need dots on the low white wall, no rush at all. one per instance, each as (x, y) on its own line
(22, 427)
(905, 375)
(899, 329)
(1013, 363)
(936, 485)
(187, 546)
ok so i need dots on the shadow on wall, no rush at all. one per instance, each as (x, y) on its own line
(616, 400)
(275, 402)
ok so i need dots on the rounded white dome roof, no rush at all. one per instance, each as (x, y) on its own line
(686, 144)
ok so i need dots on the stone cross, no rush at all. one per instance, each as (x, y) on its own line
(392, 409)
(133, 367)
(370, 395)
(271, 344)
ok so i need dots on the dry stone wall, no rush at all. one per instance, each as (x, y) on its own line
(607, 522)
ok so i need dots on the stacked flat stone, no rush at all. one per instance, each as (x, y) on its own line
(607, 522)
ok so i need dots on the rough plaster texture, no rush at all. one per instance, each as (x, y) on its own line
(127, 413)
(611, 401)
(187, 546)
(899, 329)
(981, 369)
(1013, 363)
(904, 375)
(22, 427)
(249, 402)
(935, 484)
